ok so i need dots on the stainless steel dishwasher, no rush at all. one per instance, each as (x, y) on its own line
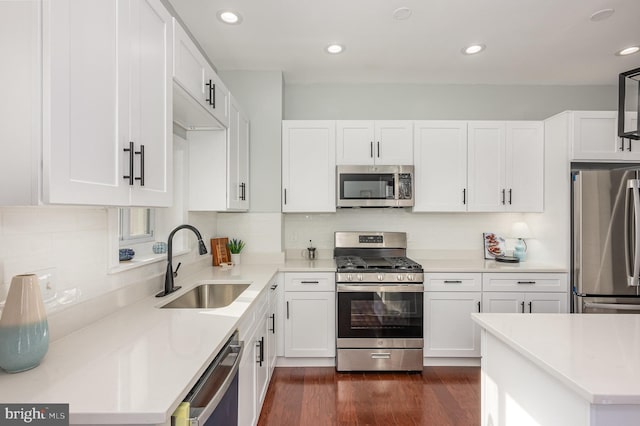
(214, 398)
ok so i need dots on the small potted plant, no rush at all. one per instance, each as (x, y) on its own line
(235, 247)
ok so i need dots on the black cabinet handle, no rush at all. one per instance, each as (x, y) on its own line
(464, 196)
(274, 286)
(526, 282)
(141, 153)
(479, 306)
(503, 196)
(273, 324)
(130, 150)
(212, 93)
(510, 190)
(371, 146)
(260, 345)
(309, 282)
(287, 309)
(285, 196)
(530, 307)
(378, 149)
(242, 193)
(622, 144)
(452, 281)
(629, 149)
(522, 306)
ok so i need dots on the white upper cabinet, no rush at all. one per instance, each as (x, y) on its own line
(107, 112)
(238, 159)
(506, 166)
(385, 142)
(525, 166)
(308, 166)
(219, 166)
(201, 99)
(440, 149)
(595, 138)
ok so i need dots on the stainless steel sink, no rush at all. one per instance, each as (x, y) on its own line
(208, 296)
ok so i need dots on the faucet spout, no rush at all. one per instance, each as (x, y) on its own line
(170, 273)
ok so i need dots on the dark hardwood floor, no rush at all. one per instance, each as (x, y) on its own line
(439, 396)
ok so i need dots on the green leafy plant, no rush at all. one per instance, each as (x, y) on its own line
(235, 246)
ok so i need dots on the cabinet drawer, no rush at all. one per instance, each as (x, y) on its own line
(310, 281)
(453, 282)
(524, 282)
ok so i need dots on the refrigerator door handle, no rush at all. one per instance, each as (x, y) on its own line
(633, 187)
(618, 306)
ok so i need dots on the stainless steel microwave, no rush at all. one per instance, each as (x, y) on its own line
(374, 186)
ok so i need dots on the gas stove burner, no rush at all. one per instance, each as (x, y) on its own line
(372, 264)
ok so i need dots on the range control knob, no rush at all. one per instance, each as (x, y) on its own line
(359, 277)
(410, 277)
(400, 277)
(380, 277)
(349, 277)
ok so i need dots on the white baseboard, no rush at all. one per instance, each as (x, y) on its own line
(305, 362)
(451, 362)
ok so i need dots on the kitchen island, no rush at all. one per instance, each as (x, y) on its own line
(560, 369)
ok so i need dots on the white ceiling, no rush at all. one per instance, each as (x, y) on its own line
(528, 41)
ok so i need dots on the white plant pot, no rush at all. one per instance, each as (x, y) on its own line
(235, 258)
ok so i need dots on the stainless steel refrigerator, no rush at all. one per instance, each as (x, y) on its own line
(606, 240)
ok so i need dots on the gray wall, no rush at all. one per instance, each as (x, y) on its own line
(260, 95)
(441, 102)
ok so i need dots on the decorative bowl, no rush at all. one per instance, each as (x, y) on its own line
(126, 254)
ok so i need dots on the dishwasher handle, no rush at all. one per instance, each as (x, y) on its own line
(202, 414)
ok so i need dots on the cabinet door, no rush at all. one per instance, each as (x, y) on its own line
(449, 330)
(150, 111)
(273, 322)
(234, 188)
(499, 302)
(393, 142)
(83, 161)
(308, 166)
(355, 142)
(310, 324)
(189, 66)
(247, 389)
(243, 159)
(595, 136)
(262, 369)
(552, 303)
(440, 149)
(216, 96)
(486, 159)
(525, 166)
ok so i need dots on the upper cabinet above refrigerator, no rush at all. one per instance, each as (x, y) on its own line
(594, 137)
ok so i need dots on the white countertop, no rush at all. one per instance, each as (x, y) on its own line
(598, 356)
(136, 365)
(482, 265)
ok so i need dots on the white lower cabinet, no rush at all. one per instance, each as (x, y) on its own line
(525, 293)
(253, 373)
(513, 302)
(448, 328)
(274, 320)
(310, 315)
(449, 301)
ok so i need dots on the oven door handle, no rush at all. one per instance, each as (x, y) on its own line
(377, 288)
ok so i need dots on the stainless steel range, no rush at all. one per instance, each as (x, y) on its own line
(379, 304)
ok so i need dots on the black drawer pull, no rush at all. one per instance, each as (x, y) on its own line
(526, 282)
(452, 281)
(309, 282)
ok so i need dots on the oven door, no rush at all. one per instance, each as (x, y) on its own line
(374, 315)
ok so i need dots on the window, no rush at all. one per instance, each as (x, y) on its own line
(137, 225)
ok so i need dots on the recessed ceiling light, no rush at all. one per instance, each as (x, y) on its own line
(473, 49)
(229, 17)
(601, 15)
(402, 13)
(334, 49)
(628, 51)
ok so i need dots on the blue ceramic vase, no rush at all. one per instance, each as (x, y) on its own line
(24, 332)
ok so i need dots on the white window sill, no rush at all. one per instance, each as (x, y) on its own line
(141, 260)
